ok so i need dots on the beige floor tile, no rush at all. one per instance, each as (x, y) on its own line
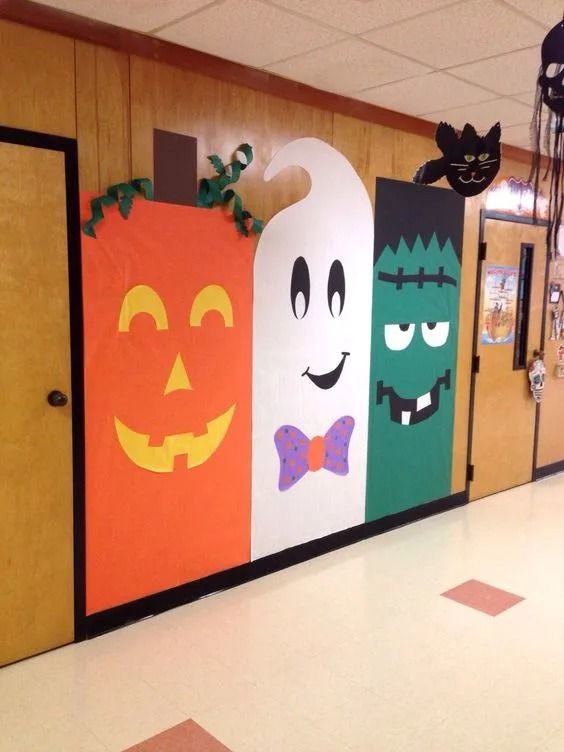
(355, 651)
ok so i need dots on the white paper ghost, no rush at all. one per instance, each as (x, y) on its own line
(311, 355)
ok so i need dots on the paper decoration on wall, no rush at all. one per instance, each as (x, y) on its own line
(547, 129)
(121, 194)
(311, 354)
(212, 191)
(537, 372)
(500, 305)
(416, 291)
(470, 162)
(167, 309)
(516, 196)
(557, 329)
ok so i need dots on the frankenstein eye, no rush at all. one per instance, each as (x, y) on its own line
(398, 336)
(300, 287)
(435, 333)
(336, 288)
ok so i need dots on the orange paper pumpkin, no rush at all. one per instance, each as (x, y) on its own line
(167, 305)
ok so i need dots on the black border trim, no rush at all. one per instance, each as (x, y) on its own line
(68, 146)
(119, 616)
(546, 470)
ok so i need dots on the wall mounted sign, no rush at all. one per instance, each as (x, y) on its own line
(500, 303)
(516, 196)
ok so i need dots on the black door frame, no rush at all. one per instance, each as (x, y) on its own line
(68, 146)
(502, 217)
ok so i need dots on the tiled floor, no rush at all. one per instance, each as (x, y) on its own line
(352, 652)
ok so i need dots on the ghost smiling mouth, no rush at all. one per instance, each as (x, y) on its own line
(327, 380)
(408, 412)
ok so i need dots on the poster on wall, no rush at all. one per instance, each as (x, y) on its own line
(167, 328)
(416, 292)
(500, 304)
(311, 355)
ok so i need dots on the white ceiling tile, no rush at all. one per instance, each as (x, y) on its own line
(517, 135)
(430, 92)
(483, 115)
(460, 33)
(504, 74)
(347, 67)
(139, 15)
(528, 98)
(548, 12)
(356, 16)
(250, 32)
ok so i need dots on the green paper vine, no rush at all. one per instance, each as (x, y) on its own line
(211, 191)
(121, 194)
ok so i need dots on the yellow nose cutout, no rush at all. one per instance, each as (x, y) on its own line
(178, 378)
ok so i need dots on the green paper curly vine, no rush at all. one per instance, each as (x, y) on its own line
(211, 191)
(121, 194)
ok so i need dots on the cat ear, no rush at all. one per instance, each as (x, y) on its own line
(446, 138)
(493, 137)
(468, 132)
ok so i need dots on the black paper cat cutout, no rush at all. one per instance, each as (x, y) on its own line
(470, 162)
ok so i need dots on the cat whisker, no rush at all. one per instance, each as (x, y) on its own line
(458, 164)
(487, 161)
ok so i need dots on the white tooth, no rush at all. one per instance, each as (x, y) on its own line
(424, 401)
(405, 418)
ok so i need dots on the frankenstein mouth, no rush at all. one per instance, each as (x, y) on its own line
(408, 412)
(160, 459)
(327, 380)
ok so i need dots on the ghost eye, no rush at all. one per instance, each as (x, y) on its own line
(482, 157)
(299, 288)
(469, 157)
(398, 336)
(435, 333)
(336, 288)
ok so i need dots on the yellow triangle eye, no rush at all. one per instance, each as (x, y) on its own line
(469, 157)
(483, 156)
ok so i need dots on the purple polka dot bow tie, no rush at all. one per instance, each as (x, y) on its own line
(298, 454)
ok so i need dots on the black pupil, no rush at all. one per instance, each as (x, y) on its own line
(404, 327)
(300, 283)
(432, 324)
(336, 284)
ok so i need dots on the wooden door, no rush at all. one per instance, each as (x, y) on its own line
(503, 430)
(36, 473)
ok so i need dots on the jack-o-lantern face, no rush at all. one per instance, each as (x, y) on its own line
(168, 310)
(197, 448)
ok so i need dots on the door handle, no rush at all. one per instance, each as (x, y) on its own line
(57, 398)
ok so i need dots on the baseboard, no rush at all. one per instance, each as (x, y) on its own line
(546, 470)
(112, 618)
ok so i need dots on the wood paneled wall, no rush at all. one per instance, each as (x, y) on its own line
(111, 101)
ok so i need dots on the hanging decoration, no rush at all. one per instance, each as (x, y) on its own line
(537, 372)
(470, 162)
(547, 130)
(121, 194)
(212, 191)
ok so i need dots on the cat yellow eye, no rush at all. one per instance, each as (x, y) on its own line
(482, 157)
(469, 157)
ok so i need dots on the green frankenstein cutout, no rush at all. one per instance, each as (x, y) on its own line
(416, 290)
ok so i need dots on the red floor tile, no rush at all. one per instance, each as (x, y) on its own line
(478, 595)
(186, 737)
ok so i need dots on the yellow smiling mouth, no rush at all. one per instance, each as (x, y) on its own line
(160, 459)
